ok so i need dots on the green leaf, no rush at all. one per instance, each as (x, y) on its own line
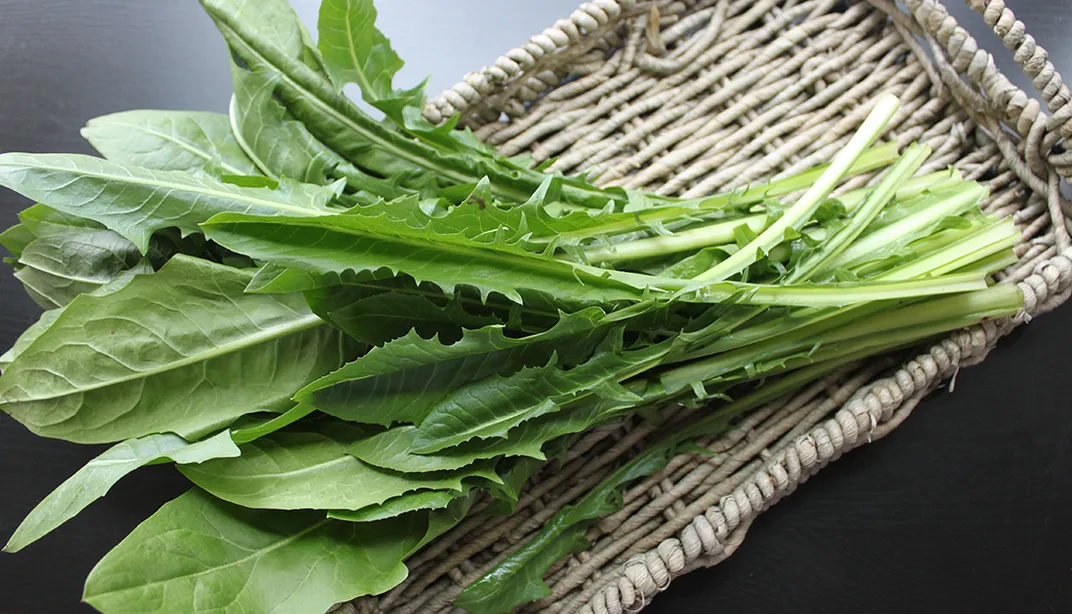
(279, 145)
(407, 377)
(308, 468)
(184, 350)
(373, 147)
(188, 141)
(312, 98)
(393, 449)
(43, 323)
(62, 266)
(515, 472)
(354, 242)
(136, 202)
(200, 555)
(492, 406)
(385, 316)
(16, 238)
(409, 502)
(45, 221)
(248, 428)
(98, 476)
(519, 578)
(354, 51)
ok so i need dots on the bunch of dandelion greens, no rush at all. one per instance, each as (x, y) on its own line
(349, 333)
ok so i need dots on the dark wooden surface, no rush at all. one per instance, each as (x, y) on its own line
(963, 509)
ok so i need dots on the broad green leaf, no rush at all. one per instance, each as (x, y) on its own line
(45, 221)
(357, 242)
(522, 582)
(308, 468)
(184, 350)
(200, 555)
(403, 380)
(62, 266)
(312, 98)
(136, 202)
(98, 476)
(47, 318)
(280, 146)
(16, 238)
(492, 406)
(188, 141)
(47, 290)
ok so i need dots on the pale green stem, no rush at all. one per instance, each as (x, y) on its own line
(876, 199)
(805, 207)
(954, 201)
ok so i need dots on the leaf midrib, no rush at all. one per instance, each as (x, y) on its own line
(554, 269)
(183, 144)
(263, 335)
(329, 110)
(199, 188)
(237, 563)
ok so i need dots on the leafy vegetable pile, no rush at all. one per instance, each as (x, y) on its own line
(350, 333)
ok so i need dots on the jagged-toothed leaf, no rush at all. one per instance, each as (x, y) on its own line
(385, 316)
(355, 51)
(403, 380)
(519, 579)
(184, 350)
(409, 502)
(200, 555)
(376, 312)
(98, 476)
(492, 406)
(393, 449)
(170, 141)
(357, 242)
(136, 202)
(307, 467)
(515, 472)
(62, 266)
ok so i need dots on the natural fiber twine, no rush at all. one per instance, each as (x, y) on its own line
(720, 93)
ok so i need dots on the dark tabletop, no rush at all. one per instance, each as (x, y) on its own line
(963, 509)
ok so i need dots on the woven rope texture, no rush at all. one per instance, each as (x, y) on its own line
(689, 97)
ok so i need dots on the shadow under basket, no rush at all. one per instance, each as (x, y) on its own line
(689, 97)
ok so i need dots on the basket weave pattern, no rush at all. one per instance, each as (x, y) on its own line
(696, 96)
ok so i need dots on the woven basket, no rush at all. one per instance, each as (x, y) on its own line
(687, 97)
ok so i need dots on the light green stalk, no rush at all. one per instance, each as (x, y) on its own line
(805, 207)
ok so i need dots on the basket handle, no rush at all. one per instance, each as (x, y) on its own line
(1041, 133)
(586, 23)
